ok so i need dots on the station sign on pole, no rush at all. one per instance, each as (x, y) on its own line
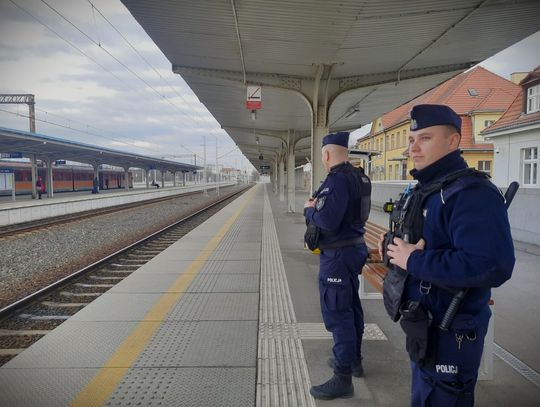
(254, 97)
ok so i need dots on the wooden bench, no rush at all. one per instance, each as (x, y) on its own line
(374, 272)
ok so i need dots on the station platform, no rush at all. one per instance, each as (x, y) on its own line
(229, 316)
(26, 209)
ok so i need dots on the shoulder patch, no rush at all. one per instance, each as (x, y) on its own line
(320, 203)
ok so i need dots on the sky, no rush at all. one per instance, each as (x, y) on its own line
(99, 79)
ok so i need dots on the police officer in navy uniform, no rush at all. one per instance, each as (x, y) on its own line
(465, 249)
(339, 210)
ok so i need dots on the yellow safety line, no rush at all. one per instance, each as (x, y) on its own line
(102, 385)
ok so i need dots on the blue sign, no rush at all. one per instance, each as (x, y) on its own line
(264, 167)
(15, 155)
(59, 162)
(7, 170)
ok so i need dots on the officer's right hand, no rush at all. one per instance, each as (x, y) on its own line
(381, 244)
(310, 203)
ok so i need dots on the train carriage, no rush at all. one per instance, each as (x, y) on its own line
(66, 177)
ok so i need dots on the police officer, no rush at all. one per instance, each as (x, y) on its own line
(339, 210)
(465, 249)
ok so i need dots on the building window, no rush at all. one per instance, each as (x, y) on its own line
(530, 165)
(533, 99)
(484, 166)
(473, 92)
(488, 123)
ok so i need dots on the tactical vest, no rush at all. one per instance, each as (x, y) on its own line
(409, 220)
(360, 195)
(357, 210)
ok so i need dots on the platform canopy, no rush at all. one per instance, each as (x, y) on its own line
(323, 64)
(26, 144)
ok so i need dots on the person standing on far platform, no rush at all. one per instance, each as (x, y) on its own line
(95, 186)
(335, 217)
(450, 244)
(40, 186)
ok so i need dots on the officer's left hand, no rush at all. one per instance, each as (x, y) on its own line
(400, 250)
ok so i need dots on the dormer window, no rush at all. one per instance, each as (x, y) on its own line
(533, 99)
(472, 92)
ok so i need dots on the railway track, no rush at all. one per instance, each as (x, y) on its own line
(25, 321)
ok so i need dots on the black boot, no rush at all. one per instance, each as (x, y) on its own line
(357, 369)
(338, 386)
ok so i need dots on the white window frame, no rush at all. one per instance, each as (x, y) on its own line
(533, 99)
(530, 166)
(482, 163)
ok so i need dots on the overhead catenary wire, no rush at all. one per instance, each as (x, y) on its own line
(132, 143)
(70, 43)
(138, 53)
(113, 57)
(77, 130)
(25, 10)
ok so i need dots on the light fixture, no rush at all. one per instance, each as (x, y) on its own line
(253, 115)
(353, 112)
(257, 140)
(261, 157)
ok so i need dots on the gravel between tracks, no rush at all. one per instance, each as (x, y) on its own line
(35, 259)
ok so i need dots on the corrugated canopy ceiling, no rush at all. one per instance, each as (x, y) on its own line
(371, 56)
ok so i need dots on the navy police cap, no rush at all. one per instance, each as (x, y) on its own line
(340, 139)
(423, 116)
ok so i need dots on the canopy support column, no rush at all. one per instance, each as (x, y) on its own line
(291, 197)
(33, 174)
(50, 181)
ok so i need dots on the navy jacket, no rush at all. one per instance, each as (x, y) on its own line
(468, 242)
(331, 208)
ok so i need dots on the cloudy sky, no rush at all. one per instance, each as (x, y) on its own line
(99, 79)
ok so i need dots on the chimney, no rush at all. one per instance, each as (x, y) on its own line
(517, 77)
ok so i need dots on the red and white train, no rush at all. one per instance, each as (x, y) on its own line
(65, 177)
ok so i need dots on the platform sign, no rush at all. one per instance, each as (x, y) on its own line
(254, 97)
(60, 162)
(15, 154)
(264, 167)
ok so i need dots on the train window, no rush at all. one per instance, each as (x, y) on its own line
(25, 174)
(18, 176)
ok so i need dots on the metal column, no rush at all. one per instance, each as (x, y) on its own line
(126, 178)
(33, 174)
(291, 197)
(50, 181)
(282, 178)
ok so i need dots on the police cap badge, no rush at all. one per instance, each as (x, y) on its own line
(423, 116)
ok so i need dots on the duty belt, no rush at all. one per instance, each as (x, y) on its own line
(343, 243)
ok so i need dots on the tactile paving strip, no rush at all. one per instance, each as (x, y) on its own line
(282, 376)
(230, 283)
(372, 332)
(219, 306)
(188, 387)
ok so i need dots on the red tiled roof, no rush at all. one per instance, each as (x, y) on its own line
(494, 94)
(514, 115)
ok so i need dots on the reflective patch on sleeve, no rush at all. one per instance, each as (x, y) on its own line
(320, 203)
